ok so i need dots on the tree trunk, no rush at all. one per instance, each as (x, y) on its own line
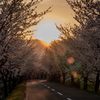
(97, 82)
(63, 78)
(72, 80)
(10, 88)
(20, 79)
(13, 82)
(5, 89)
(85, 82)
(0, 96)
(58, 77)
(4, 79)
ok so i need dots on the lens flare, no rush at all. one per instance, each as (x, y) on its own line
(74, 74)
(70, 60)
(78, 66)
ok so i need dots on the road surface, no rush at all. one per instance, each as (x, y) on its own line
(43, 90)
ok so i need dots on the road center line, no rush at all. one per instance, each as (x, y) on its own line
(68, 99)
(52, 89)
(48, 87)
(59, 93)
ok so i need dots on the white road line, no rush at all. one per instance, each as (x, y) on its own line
(52, 89)
(48, 87)
(42, 83)
(59, 93)
(68, 99)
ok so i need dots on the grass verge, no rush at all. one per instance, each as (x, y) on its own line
(17, 93)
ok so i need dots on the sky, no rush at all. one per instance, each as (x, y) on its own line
(61, 14)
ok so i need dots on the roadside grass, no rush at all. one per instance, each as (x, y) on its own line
(18, 92)
(91, 88)
(81, 85)
(68, 83)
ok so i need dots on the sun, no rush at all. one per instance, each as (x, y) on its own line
(47, 32)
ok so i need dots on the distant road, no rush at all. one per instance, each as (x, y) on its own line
(43, 90)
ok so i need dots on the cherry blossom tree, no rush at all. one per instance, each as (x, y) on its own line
(16, 18)
(83, 40)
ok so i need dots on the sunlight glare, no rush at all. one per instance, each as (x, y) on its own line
(47, 32)
(45, 44)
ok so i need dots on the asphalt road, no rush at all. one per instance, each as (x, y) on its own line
(43, 90)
